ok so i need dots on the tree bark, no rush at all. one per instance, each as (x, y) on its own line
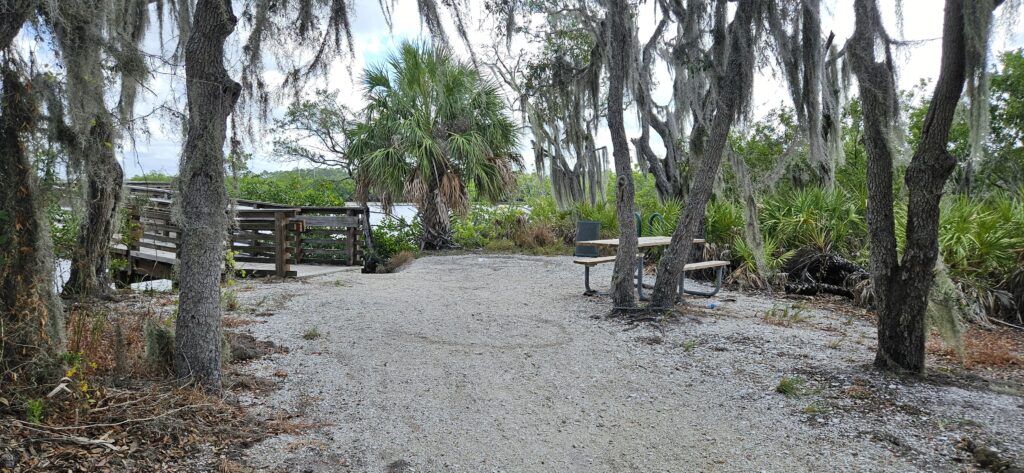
(79, 33)
(212, 95)
(708, 146)
(31, 315)
(623, 292)
(437, 232)
(901, 287)
(104, 179)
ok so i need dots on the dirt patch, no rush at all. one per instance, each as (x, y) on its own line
(245, 347)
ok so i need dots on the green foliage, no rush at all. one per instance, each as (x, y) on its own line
(825, 220)
(790, 387)
(433, 124)
(982, 239)
(395, 235)
(64, 226)
(786, 315)
(34, 411)
(1003, 167)
(724, 222)
(302, 187)
(153, 176)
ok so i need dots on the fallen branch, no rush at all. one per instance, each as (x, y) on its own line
(70, 438)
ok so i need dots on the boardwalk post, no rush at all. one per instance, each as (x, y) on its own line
(352, 240)
(281, 266)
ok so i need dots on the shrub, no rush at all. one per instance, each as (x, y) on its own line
(535, 235)
(397, 261)
(393, 236)
(159, 345)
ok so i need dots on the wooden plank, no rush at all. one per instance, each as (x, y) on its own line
(281, 232)
(704, 265)
(594, 261)
(642, 242)
(342, 221)
(156, 227)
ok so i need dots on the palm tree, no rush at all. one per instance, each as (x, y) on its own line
(432, 128)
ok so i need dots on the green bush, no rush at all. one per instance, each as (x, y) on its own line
(393, 236)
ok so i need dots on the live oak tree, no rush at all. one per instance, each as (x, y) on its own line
(732, 60)
(901, 284)
(304, 37)
(211, 98)
(31, 314)
(89, 34)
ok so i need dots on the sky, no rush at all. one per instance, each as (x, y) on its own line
(159, 149)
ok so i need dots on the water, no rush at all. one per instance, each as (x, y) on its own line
(377, 215)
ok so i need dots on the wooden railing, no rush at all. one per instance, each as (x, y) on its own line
(262, 236)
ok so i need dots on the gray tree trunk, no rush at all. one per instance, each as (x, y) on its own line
(708, 145)
(623, 292)
(212, 95)
(31, 314)
(79, 34)
(901, 288)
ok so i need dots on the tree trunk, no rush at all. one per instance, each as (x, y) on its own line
(80, 37)
(104, 179)
(708, 147)
(203, 198)
(623, 292)
(31, 316)
(436, 222)
(901, 288)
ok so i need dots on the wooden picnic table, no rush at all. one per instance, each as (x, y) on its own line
(642, 242)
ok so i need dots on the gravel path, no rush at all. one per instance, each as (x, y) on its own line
(497, 363)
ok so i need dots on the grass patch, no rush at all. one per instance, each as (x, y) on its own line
(817, 408)
(785, 316)
(311, 334)
(790, 387)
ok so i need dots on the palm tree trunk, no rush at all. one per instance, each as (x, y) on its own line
(211, 98)
(623, 293)
(436, 222)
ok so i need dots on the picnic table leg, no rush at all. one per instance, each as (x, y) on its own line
(718, 285)
(586, 282)
(640, 279)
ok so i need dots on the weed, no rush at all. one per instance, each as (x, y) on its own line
(790, 387)
(397, 261)
(818, 407)
(311, 334)
(340, 283)
(34, 411)
(786, 315)
(229, 299)
(834, 344)
(689, 345)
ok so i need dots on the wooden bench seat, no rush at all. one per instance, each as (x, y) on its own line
(705, 265)
(594, 261)
(713, 264)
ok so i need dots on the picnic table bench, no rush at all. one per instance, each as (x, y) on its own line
(648, 242)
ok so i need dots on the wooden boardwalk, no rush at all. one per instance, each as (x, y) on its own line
(265, 239)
